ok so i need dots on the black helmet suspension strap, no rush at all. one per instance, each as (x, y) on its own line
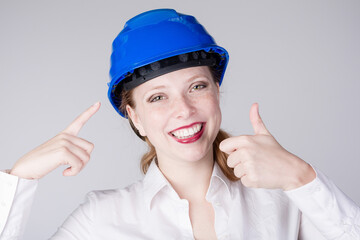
(161, 67)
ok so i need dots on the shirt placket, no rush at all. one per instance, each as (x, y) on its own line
(221, 219)
(183, 216)
(220, 199)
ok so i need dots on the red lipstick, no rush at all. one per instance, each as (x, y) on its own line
(190, 139)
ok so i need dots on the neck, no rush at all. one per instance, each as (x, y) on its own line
(189, 179)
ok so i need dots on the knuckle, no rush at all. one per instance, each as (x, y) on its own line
(64, 142)
(230, 165)
(63, 151)
(62, 135)
(248, 140)
(87, 158)
(237, 172)
(247, 165)
(91, 146)
(81, 164)
(231, 162)
(245, 182)
(253, 179)
(243, 153)
(77, 165)
(244, 149)
(248, 153)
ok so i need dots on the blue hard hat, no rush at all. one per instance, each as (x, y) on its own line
(157, 42)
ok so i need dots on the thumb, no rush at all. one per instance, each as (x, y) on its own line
(256, 121)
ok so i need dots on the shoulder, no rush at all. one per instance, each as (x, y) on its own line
(108, 195)
(113, 206)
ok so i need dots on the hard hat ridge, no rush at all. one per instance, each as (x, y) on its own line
(151, 17)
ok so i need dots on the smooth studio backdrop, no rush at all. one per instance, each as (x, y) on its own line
(299, 59)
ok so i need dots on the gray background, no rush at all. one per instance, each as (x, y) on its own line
(299, 59)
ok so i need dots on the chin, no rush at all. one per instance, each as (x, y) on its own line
(195, 154)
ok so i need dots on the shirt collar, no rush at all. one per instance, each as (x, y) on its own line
(218, 174)
(154, 181)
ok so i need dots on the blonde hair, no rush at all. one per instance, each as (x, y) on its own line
(219, 156)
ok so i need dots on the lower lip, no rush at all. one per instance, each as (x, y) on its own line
(193, 138)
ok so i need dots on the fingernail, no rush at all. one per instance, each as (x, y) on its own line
(96, 104)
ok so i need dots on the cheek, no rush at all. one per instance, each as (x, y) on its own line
(211, 106)
(153, 121)
(217, 113)
(212, 102)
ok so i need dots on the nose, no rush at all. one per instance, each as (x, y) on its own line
(183, 107)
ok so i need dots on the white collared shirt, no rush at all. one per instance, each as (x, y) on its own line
(151, 209)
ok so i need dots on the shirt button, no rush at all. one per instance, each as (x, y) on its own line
(183, 208)
(226, 237)
(217, 204)
(347, 222)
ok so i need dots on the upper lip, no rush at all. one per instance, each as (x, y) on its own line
(187, 126)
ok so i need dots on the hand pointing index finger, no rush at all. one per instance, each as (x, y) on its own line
(75, 127)
(256, 121)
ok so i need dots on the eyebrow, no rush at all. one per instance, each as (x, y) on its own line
(197, 76)
(157, 87)
(145, 95)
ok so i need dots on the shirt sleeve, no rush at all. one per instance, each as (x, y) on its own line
(327, 209)
(16, 197)
(79, 224)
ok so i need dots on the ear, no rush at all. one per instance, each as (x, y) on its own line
(135, 120)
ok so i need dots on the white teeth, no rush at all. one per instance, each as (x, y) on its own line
(191, 131)
(187, 132)
(198, 127)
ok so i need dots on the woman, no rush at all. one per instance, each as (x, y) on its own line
(200, 183)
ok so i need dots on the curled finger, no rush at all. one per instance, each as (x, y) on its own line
(80, 142)
(239, 171)
(75, 166)
(237, 157)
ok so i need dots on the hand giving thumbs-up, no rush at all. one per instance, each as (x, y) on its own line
(261, 162)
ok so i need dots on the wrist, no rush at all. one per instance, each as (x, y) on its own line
(302, 175)
(18, 174)
(12, 172)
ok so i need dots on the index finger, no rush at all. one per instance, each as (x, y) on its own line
(232, 144)
(79, 122)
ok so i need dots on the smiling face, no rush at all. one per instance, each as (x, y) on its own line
(179, 113)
